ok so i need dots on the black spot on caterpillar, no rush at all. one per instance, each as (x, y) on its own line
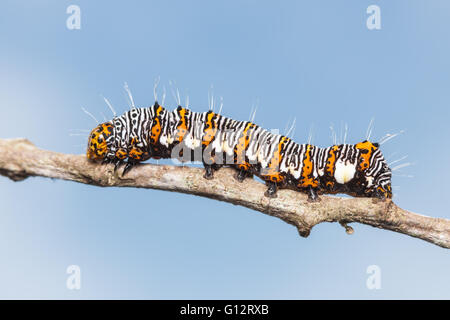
(358, 170)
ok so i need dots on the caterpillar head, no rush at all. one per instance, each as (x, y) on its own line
(99, 141)
(375, 170)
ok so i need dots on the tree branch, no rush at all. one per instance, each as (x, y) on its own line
(20, 159)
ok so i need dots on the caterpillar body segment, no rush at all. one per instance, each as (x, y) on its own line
(142, 133)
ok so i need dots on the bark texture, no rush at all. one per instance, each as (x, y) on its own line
(20, 159)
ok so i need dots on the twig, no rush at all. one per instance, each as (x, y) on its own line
(20, 159)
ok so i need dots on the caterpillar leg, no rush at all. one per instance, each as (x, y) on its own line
(243, 171)
(117, 164)
(209, 173)
(312, 194)
(241, 174)
(129, 165)
(379, 196)
(136, 155)
(271, 190)
(210, 168)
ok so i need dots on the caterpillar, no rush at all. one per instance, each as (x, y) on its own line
(359, 170)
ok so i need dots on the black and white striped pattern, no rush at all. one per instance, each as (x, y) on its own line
(155, 132)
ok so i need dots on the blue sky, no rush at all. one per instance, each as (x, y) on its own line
(312, 60)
